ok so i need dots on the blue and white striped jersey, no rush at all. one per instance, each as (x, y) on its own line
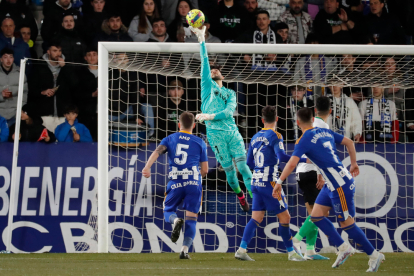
(265, 151)
(319, 145)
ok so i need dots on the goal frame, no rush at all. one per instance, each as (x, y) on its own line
(104, 48)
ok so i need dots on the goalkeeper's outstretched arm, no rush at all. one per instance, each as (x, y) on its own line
(205, 73)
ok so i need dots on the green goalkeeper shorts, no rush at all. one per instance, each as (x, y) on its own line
(226, 145)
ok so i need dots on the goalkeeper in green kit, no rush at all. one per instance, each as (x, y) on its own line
(218, 105)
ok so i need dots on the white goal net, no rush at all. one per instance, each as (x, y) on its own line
(145, 86)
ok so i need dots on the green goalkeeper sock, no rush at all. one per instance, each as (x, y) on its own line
(306, 229)
(232, 179)
(311, 239)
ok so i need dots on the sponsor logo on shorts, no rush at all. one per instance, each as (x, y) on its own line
(352, 186)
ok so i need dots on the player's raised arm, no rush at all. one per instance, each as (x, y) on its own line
(205, 64)
(161, 149)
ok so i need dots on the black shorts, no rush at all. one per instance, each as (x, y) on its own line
(307, 183)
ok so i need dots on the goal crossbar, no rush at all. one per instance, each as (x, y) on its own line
(237, 48)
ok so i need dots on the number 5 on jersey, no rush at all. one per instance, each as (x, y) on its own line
(179, 152)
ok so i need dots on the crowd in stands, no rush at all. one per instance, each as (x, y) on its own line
(60, 98)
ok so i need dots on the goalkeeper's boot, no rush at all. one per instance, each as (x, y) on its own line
(242, 256)
(184, 256)
(296, 243)
(177, 230)
(243, 203)
(374, 263)
(315, 257)
(295, 255)
(345, 251)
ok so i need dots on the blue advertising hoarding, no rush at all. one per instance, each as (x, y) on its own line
(57, 195)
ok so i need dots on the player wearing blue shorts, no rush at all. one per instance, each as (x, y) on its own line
(266, 151)
(218, 104)
(186, 153)
(338, 192)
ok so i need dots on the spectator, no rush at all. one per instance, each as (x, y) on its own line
(261, 34)
(113, 30)
(123, 87)
(395, 78)
(299, 22)
(125, 101)
(314, 69)
(50, 86)
(53, 19)
(20, 14)
(385, 28)
(287, 110)
(93, 20)
(86, 95)
(282, 30)
(141, 25)
(170, 109)
(345, 118)
(26, 32)
(380, 117)
(159, 32)
(251, 7)
(71, 130)
(31, 128)
(176, 28)
(229, 21)
(349, 72)
(7, 40)
(333, 25)
(9, 85)
(49, 5)
(273, 7)
(169, 7)
(4, 130)
(72, 44)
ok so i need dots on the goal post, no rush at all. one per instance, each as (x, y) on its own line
(14, 178)
(142, 57)
(103, 185)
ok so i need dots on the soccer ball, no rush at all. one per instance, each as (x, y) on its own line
(195, 18)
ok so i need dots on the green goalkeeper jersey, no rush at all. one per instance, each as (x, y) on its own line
(215, 99)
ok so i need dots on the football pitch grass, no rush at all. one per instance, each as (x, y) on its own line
(201, 264)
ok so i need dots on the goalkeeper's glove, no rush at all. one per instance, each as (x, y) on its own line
(200, 33)
(205, 117)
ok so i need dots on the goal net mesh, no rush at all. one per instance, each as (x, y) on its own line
(148, 91)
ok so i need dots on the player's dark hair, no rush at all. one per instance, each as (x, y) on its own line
(187, 120)
(305, 115)
(269, 114)
(71, 108)
(323, 106)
